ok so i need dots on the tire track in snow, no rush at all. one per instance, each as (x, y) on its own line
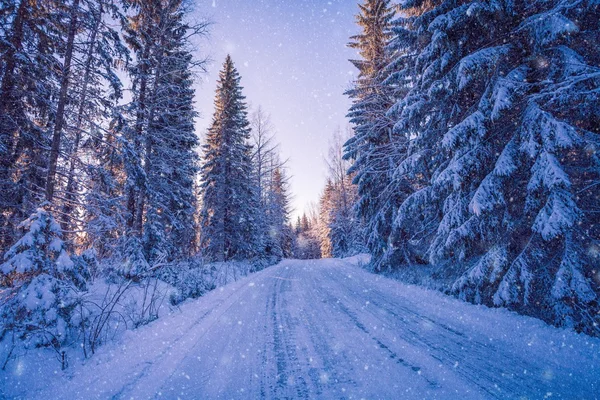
(148, 383)
(390, 353)
(334, 373)
(474, 366)
(289, 374)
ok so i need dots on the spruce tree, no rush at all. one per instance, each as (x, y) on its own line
(94, 91)
(43, 282)
(227, 215)
(171, 159)
(63, 97)
(160, 159)
(142, 34)
(277, 216)
(104, 209)
(372, 149)
(28, 71)
(502, 161)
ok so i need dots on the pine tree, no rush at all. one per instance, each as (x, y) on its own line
(105, 210)
(277, 216)
(161, 161)
(502, 161)
(31, 41)
(171, 159)
(372, 148)
(141, 35)
(63, 97)
(227, 216)
(94, 90)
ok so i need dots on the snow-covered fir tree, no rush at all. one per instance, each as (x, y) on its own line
(278, 232)
(94, 89)
(372, 149)
(161, 160)
(502, 161)
(142, 37)
(228, 215)
(105, 211)
(172, 160)
(43, 283)
(71, 27)
(29, 46)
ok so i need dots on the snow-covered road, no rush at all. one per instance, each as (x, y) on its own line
(327, 329)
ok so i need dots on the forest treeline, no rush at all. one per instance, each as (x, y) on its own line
(109, 201)
(475, 150)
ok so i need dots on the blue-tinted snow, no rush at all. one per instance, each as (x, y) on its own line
(326, 329)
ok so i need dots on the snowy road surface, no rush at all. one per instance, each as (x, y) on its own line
(327, 329)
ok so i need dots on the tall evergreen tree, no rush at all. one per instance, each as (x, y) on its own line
(28, 72)
(372, 148)
(277, 216)
(142, 35)
(105, 211)
(229, 197)
(63, 96)
(94, 89)
(161, 162)
(171, 158)
(503, 154)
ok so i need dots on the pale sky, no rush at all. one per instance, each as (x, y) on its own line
(293, 60)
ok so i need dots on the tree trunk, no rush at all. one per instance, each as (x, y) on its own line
(141, 202)
(10, 118)
(62, 101)
(71, 187)
(132, 205)
(8, 125)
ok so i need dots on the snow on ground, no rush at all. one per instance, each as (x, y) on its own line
(327, 329)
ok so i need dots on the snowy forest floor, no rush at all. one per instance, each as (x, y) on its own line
(326, 329)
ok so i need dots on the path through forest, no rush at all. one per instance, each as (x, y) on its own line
(327, 329)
